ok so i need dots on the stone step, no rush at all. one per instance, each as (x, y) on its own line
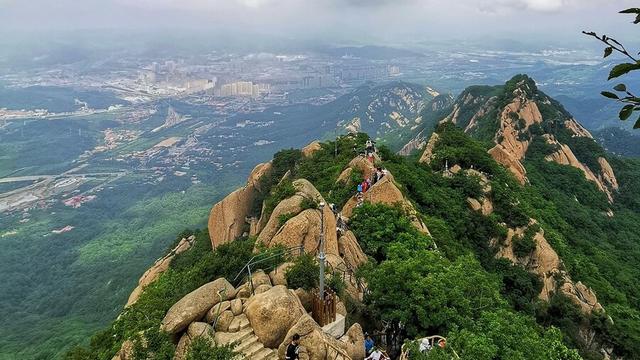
(250, 351)
(247, 343)
(228, 338)
(238, 323)
(265, 354)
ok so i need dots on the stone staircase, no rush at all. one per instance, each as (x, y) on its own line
(241, 333)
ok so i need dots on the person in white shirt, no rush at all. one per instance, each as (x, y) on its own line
(377, 354)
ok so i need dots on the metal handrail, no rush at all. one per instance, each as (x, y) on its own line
(337, 349)
(261, 258)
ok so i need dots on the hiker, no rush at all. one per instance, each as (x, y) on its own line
(368, 180)
(368, 344)
(293, 348)
(425, 345)
(370, 146)
(365, 186)
(359, 188)
(377, 354)
(442, 343)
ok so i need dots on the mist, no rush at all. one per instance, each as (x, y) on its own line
(396, 22)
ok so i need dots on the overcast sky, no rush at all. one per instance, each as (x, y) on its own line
(364, 21)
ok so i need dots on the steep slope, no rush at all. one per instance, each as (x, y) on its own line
(515, 115)
(431, 114)
(387, 111)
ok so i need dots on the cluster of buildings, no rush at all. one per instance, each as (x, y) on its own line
(244, 88)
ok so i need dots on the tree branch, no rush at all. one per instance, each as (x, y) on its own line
(612, 43)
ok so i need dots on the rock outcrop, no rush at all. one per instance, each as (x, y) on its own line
(195, 305)
(278, 275)
(227, 219)
(350, 250)
(289, 206)
(386, 192)
(315, 344)
(273, 313)
(545, 263)
(161, 265)
(354, 341)
(304, 230)
(427, 155)
(605, 178)
(311, 149)
(515, 119)
(362, 164)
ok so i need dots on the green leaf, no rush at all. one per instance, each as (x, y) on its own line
(608, 51)
(626, 112)
(622, 69)
(620, 87)
(631, 11)
(637, 124)
(610, 95)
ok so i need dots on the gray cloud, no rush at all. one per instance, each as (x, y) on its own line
(333, 20)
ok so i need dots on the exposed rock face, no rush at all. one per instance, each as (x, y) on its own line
(224, 320)
(605, 180)
(304, 230)
(216, 310)
(260, 278)
(290, 206)
(545, 263)
(417, 143)
(313, 341)
(485, 207)
(227, 219)
(345, 175)
(502, 156)
(277, 275)
(311, 149)
(350, 250)
(273, 313)
(365, 166)
(236, 307)
(385, 191)
(577, 129)
(606, 175)
(510, 149)
(581, 295)
(427, 155)
(195, 305)
(160, 266)
(306, 298)
(126, 351)
(354, 340)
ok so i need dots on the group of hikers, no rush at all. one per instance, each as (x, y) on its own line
(426, 345)
(371, 350)
(367, 183)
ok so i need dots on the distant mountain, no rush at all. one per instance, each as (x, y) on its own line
(389, 112)
(619, 141)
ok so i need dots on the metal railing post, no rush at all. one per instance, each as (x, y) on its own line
(322, 256)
